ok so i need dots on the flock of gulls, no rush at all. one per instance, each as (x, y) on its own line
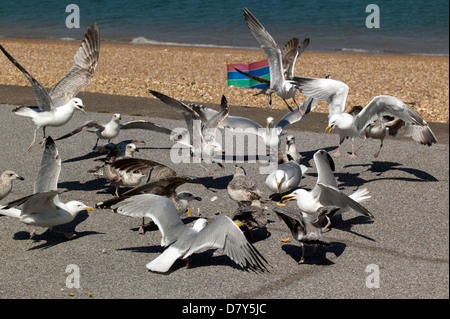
(153, 196)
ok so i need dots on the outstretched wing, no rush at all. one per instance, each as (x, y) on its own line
(81, 73)
(223, 233)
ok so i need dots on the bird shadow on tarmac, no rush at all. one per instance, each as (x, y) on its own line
(51, 238)
(314, 258)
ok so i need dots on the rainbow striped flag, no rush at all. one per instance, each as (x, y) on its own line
(260, 68)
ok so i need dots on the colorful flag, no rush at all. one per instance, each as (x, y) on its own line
(260, 68)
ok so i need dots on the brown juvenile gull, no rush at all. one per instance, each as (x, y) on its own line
(44, 208)
(6, 180)
(395, 127)
(249, 218)
(55, 108)
(306, 229)
(242, 189)
(183, 241)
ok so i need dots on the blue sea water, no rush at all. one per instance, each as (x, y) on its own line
(405, 27)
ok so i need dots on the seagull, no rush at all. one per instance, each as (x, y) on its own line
(326, 192)
(270, 134)
(165, 186)
(306, 229)
(6, 180)
(335, 93)
(285, 177)
(202, 138)
(111, 129)
(119, 149)
(241, 189)
(285, 89)
(126, 172)
(44, 208)
(249, 218)
(395, 127)
(289, 55)
(222, 233)
(290, 152)
(55, 108)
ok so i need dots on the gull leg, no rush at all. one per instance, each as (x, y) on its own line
(302, 259)
(32, 231)
(289, 107)
(96, 143)
(34, 139)
(355, 152)
(328, 223)
(43, 139)
(379, 149)
(141, 228)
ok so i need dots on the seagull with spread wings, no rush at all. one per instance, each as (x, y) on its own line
(184, 241)
(55, 108)
(112, 129)
(44, 208)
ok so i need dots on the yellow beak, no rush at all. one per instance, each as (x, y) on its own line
(287, 198)
(89, 208)
(189, 212)
(238, 223)
(329, 128)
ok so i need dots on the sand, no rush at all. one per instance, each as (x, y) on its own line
(199, 74)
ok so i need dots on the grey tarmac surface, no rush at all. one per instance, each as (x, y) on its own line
(407, 241)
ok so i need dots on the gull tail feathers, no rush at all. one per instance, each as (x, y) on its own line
(304, 169)
(360, 195)
(25, 111)
(11, 212)
(163, 262)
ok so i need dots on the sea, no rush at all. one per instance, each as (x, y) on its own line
(414, 27)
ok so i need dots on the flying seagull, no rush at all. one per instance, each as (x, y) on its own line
(335, 93)
(112, 129)
(55, 108)
(278, 83)
(44, 208)
(183, 241)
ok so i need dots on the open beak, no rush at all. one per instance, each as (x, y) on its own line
(82, 108)
(329, 128)
(286, 198)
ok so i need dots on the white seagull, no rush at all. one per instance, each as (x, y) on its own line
(222, 233)
(55, 108)
(44, 208)
(285, 89)
(335, 93)
(285, 177)
(326, 192)
(202, 137)
(112, 129)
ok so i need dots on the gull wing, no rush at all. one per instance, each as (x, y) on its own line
(160, 209)
(145, 125)
(81, 73)
(296, 54)
(223, 233)
(88, 124)
(333, 91)
(43, 100)
(269, 46)
(387, 105)
(334, 197)
(289, 51)
(38, 203)
(48, 175)
(210, 128)
(421, 134)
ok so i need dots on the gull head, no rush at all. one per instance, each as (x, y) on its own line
(187, 196)
(117, 117)
(74, 207)
(130, 149)
(10, 175)
(294, 195)
(280, 177)
(78, 104)
(269, 121)
(239, 171)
